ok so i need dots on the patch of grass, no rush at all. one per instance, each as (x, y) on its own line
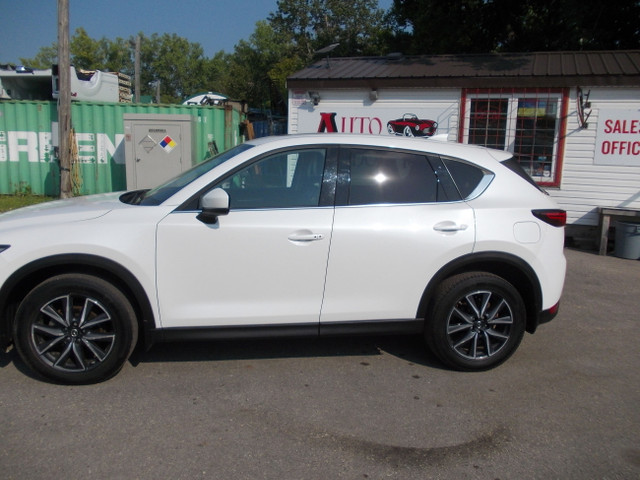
(11, 202)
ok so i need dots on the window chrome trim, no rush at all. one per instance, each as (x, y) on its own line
(487, 178)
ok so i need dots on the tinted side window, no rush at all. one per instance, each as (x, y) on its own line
(379, 177)
(285, 180)
(447, 190)
(466, 176)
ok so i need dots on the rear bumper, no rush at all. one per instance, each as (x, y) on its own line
(544, 317)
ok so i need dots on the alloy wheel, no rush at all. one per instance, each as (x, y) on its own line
(479, 325)
(73, 333)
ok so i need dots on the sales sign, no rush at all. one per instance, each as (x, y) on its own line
(618, 137)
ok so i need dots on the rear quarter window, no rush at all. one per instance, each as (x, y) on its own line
(470, 179)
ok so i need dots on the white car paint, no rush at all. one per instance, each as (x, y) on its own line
(316, 265)
(383, 256)
(207, 273)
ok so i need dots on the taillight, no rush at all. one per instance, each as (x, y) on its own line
(555, 217)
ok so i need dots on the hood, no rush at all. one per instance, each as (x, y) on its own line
(61, 211)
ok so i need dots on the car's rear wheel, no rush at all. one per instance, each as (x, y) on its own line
(75, 329)
(408, 132)
(477, 321)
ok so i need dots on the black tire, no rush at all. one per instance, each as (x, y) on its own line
(408, 132)
(75, 329)
(477, 321)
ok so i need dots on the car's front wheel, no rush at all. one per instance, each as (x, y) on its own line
(477, 321)
(408, 132)
(75, 329)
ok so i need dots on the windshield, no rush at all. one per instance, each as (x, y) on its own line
(157, 195)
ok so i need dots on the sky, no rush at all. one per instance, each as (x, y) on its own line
(28, 25)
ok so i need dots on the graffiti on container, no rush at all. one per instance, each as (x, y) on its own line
(36, 147)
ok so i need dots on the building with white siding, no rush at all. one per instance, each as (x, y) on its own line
(572, 119)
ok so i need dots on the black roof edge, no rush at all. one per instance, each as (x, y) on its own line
(491, 70)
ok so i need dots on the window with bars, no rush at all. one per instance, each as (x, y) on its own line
(526, 123)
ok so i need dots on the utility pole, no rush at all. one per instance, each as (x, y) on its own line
(136, 69)
(64, 100)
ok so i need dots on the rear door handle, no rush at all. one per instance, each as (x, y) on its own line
(305, 237)
(449, 227)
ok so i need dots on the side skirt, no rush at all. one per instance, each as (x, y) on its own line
(392, 327)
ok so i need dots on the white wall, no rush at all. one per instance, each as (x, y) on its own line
(586, 184)
(356, 112)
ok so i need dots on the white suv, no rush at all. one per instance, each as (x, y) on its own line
(295, 235)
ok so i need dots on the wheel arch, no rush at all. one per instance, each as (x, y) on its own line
(20, 283)
(509, 267)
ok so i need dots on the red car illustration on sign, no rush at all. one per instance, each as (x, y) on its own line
(411, 126)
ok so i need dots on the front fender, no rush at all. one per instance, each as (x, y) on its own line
(27, 277)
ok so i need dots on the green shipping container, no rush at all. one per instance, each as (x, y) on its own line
(28, 163)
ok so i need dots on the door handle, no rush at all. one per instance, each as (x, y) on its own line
(449, 227)
(305, 237)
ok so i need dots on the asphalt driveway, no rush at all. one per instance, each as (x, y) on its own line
(566, 406)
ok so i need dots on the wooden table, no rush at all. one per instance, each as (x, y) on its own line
(606, 214)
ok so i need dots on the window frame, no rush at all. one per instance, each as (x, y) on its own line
(327, 189)
(513, 96)
(344, 177)
(481, 185)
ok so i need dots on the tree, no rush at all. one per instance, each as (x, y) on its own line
(178, 64)
(85, 51)
(117, 55)
(313, 24)
(433, 27)
(478, 26)
(45, 57)
(257, 70)
(104, 54)
(570, 25)
(216, 72)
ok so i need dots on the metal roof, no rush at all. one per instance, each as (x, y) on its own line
(540, 69)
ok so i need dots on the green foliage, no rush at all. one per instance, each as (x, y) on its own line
(88, 54)
(104, 54)
(178, 64)
(478, 26)
(288, 41)
(573, 25)
(45, 57)
(278, 76)
(257, 70)
(310, 25)
(86, 51)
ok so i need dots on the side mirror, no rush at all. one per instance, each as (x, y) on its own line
(214, 204)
